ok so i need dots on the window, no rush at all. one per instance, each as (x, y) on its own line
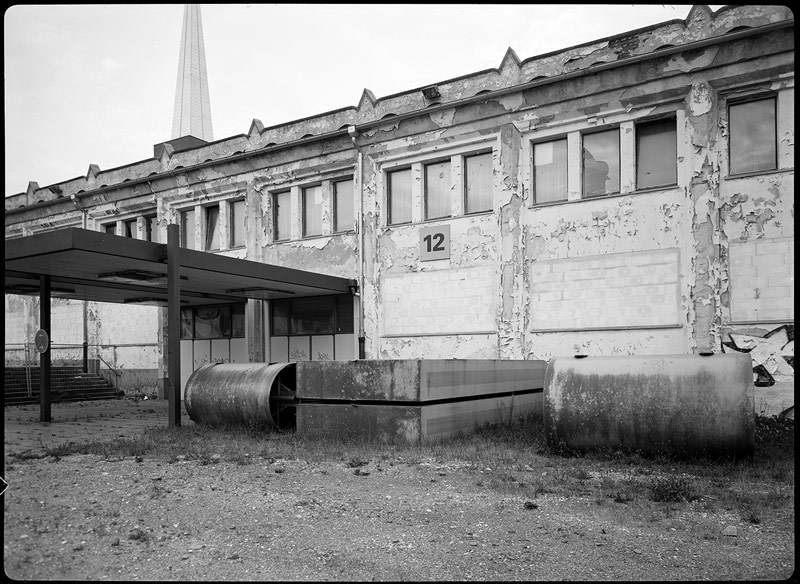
(312, 211)
(213, 322)
(478, 183)
(212, 227)
(110, 228)
(550, 171)
(400, 197)
(343, 206)
(151, 228)
(281, 215)
(323, 315)
(656, 154)
(129, 228)
(753, 136)
(236, 222)
(187, 229)
(437, 190)
(601, 163)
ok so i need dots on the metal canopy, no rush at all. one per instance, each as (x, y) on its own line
(90, 265)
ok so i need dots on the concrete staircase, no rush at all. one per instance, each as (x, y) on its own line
(67, 384)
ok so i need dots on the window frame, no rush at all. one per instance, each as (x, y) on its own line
(233, 204)
(334, 300)
(209, 231)
(534, 144)
(276, 217)
(465, 181)
(351, 222)
(744, 100)
(304, 209)
(611, 128)
(389, 174)
(151, 232)
(651, 122)
(448, 182)
(184, 214)
(234, 309)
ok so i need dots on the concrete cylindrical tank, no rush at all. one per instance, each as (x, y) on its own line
(227, 394)
(679, 404)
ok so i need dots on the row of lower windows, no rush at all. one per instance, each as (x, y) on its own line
(213, 322)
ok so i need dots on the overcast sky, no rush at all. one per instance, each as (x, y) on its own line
(95, 84)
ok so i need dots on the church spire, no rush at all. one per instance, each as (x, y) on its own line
(192, 115)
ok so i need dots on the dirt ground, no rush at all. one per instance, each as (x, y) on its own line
(91, 517)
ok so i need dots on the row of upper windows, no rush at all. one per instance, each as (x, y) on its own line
(467, 178)
(653, 154)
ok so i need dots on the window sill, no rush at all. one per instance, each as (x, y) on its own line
(759, 173)
(603, 197)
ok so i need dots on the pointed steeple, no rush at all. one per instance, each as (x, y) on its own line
(192, 115)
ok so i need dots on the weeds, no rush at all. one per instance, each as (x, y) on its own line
(671, 488)
(757, 489)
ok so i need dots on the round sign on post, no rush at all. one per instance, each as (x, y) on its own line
(41, 340)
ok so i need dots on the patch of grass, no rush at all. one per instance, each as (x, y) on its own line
(671, 488)
(759, 489)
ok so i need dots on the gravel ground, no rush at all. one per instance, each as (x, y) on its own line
(87, 517)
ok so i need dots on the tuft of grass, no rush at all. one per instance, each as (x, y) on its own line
(671, 489)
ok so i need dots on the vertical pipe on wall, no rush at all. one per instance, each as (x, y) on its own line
(353, 132)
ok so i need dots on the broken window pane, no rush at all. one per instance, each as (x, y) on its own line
(187, 323)
(753, 131)
(550, 163)
(601, 163)
(312, 211)
(478, 183)
(656, 154)
(400, 197)
(212, 322)
(151, 228)
(130, 228)
(212, 227)
(437, 190)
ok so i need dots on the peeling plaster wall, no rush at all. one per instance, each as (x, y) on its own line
(717, 249)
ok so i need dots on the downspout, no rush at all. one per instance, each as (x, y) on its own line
(353, 133)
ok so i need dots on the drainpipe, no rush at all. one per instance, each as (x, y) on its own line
(84, 225)
(353, 133)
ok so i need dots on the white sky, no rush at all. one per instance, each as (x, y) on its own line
(95, 84)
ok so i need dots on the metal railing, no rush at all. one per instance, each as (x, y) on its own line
(99, 360)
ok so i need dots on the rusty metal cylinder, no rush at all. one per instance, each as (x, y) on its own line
(671, 404)
(248, 394)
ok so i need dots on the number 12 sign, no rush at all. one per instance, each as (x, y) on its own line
(434, 243)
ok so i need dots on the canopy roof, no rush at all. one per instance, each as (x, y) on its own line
(90, 265)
